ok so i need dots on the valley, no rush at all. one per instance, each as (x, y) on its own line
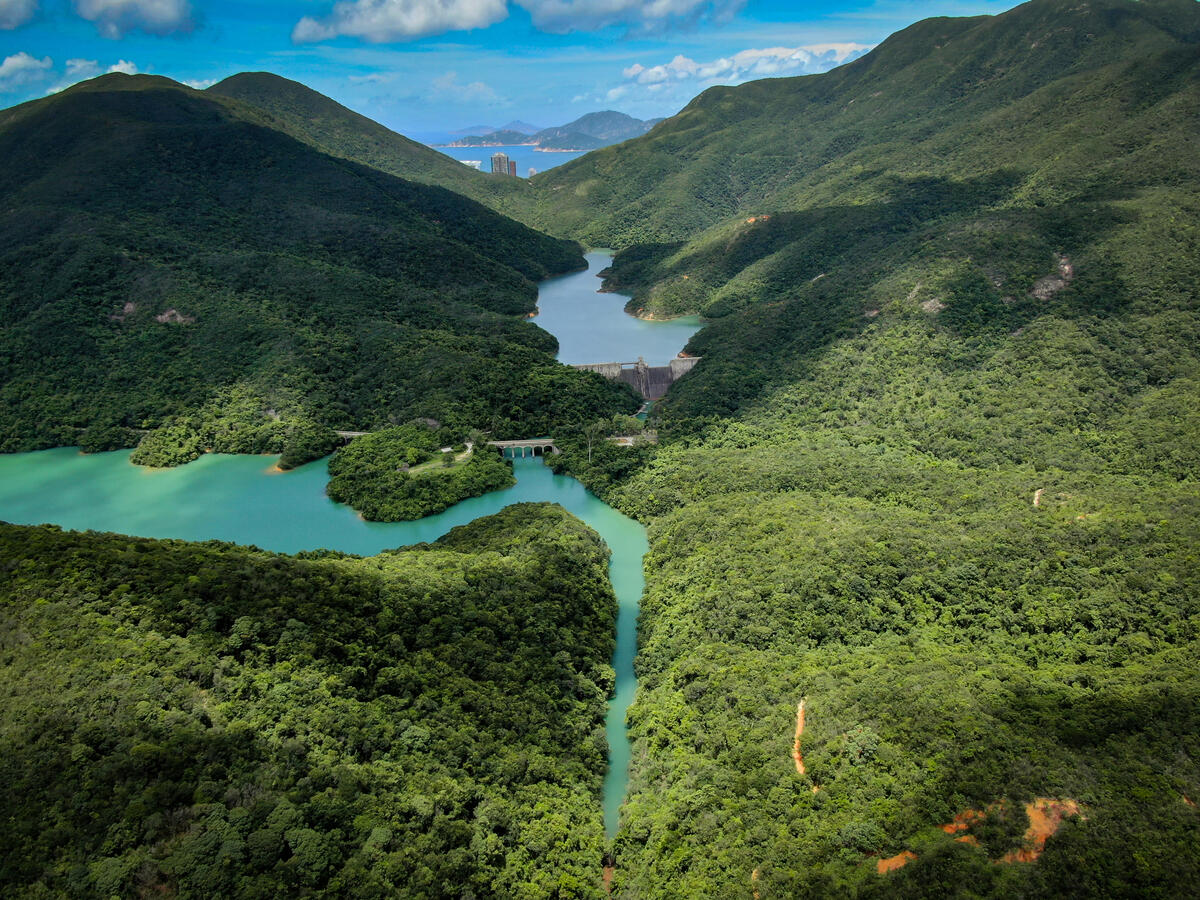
(898, 597)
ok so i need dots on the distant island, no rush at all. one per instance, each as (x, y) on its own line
(590, 132)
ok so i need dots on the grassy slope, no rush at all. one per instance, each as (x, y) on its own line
(842, 505)
(324, 288)
(1039, 91)
(203, 720)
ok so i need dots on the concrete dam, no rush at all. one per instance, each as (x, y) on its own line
(649, 381)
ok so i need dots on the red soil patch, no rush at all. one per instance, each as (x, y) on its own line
(608, 877)
(899, 861)
(1046, 816)
(963, 821)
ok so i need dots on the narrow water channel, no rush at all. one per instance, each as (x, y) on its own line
(244, 499)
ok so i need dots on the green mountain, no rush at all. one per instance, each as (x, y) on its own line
(315, 119)
(206, 720)
(561, 139)
(588, 132)
(502, 138)
(936, 474)
(1046, 92)
(168, 257)
(604, 128)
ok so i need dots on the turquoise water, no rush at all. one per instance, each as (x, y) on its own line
(246, 500)
(592, 327)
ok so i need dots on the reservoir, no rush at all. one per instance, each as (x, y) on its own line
(592, 327)
(246, 500)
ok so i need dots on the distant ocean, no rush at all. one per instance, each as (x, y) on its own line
(527, 157)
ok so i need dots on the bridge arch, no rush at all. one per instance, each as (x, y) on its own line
(525, 448)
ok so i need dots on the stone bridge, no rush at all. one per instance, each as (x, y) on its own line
(649, 381)
(530, 447)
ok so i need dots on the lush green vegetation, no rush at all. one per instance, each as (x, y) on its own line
(332, 128)
(169, 259)
(395, 474)
(235, 421)
(936, 474)
(206, 720)
(1073, 98)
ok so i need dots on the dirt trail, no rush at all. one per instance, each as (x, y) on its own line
(796, 755)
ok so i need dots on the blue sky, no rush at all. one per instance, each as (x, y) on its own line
(423, 66)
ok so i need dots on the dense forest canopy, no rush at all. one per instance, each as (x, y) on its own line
(936, 474)
(170, 258)
(206, 720)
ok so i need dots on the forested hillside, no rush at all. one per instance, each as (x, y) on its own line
(936, 474)
(169, 258)
(328, 126)
(206, 720)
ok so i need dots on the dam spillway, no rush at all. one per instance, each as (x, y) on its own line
(651, 382)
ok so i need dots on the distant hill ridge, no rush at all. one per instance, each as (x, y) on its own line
(589, 132)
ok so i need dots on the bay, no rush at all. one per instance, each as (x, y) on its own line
(525, 157)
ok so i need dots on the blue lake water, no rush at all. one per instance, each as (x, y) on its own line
(592, 327)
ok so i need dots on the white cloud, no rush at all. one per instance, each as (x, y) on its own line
(116, 18)
(561, 16)
(21, 68)
(14, 13)
(653, 89)
(124, 66)
(200, 83)
(78, 69)
(748, 64)
(448, 87)
(379, 21)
